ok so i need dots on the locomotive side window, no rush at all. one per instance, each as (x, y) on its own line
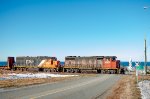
(113, 59)
(98, 58)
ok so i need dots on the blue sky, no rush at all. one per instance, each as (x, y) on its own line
(74, 27)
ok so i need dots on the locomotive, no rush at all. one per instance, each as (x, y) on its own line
(101, 64)
(43, 63)
(9, 64)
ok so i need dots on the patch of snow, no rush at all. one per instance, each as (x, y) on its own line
(31, 75)
(145, 89)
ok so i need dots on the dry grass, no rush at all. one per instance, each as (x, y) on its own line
(126, 88)
(145, 77)
(31, 81)
(27, 81)
(10, 71)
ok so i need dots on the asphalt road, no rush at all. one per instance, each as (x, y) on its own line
(92, 87)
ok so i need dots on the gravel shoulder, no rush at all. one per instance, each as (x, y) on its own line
(125, 88)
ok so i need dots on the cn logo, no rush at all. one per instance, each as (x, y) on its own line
(29, 61)
(107, 61)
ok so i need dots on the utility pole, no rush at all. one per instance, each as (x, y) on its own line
(145, 64)
(145, 52)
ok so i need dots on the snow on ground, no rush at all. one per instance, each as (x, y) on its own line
(145, 89)
(31, 75)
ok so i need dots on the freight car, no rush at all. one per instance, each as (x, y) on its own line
(9, 64)
(43, 63)
(100, 64)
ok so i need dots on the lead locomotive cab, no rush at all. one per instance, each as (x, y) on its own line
(110, 64)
